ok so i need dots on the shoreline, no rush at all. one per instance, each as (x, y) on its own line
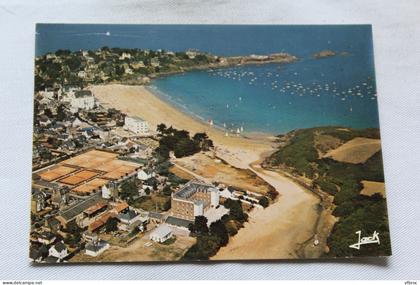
(166, 99)
(138, 101)
(277, 230)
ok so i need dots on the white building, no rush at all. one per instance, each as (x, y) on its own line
(136, 125)
(106, 192)
(96, 248)
(125, 55)
(59, 250)
(82, 74)
(48, 93)
(161, 234)
(82, 99)
(131, 219)
(145, 174)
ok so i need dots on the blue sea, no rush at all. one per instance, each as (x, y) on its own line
(272, 98)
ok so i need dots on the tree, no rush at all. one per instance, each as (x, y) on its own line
(111, 225)
(129, 190)
(205, 247)
(200, 226)
(167, 205)
(264, 201)
(167, 191)
(203, 141)
(236, 212)
(48, 113)
(161, 128)
(75, 233)
(61, 113)
(63, 52)
(73, 228)
(218, 229)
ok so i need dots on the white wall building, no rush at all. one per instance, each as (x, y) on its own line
(161, 233)
(82, 99)
(59, 250)
(145, 174)
(96, 248)
(136, 125)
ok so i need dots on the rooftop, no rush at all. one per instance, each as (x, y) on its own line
(192, 187)
(136, 118)
(129, 215)
(178, 222)
(161, 231)
(96, 246)
(155, 215)
(71, 213)
(60, 246)
(83, 93)
(93, 209)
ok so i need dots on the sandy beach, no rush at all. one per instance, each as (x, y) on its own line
(277, 231)
(138, 101)
(272, 233)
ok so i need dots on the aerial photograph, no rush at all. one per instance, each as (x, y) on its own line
(183, 143)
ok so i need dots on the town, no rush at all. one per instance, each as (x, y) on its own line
(103, 179)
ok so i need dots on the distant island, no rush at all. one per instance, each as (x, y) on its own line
(324, 53)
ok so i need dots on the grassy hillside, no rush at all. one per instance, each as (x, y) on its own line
(303, 153)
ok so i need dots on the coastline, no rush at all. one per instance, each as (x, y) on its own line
(273, 230)
(139, 101)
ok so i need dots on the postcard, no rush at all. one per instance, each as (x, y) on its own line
(206, 142)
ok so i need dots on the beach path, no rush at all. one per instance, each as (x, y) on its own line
(276, 231)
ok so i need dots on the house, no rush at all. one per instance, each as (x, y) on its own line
(44, 121)
(38, 202)
(82, 74)
(53, 224)
(136, 125)
(154, 62)
(76, 212)
(96, 248)
(125, 55)
(128, 70)
(145, 174)
(60, 196)
(225, 193)
(191, 54)
(90, 237)
(82, 99)
(130, 219)
(48, 93)
(37, 253)
(161, 234)
(156, 217)
(46, 238)
(109, 191)
(59, 250)
(137, 65)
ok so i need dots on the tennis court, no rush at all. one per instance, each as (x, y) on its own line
(56, 172)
